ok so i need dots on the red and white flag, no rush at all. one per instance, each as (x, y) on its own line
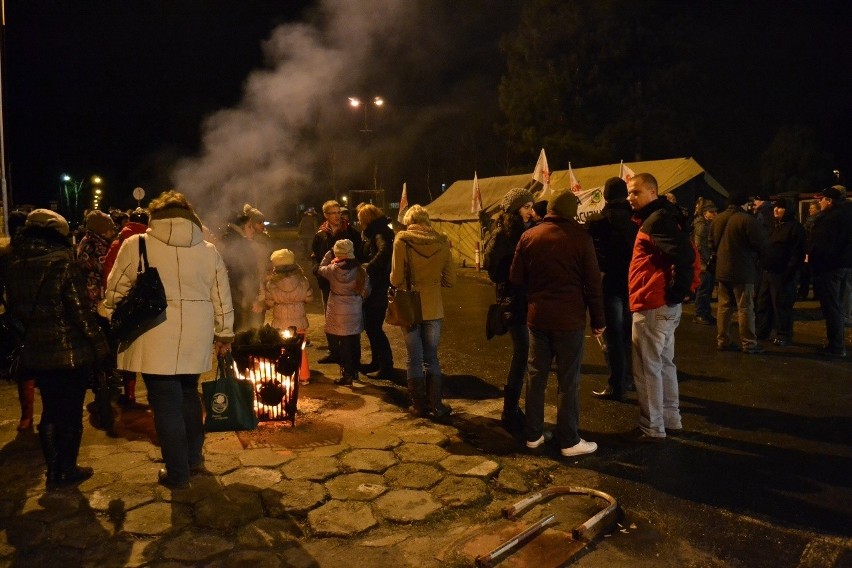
(575, 185)
(476, 198)
(403, 203)
(626, 173)
(541, 173)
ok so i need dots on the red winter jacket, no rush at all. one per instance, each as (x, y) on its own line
(131, 228)
(663, 269)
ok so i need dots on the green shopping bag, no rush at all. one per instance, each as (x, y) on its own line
(229, 401)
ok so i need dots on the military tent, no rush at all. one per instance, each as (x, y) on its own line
(450, 213)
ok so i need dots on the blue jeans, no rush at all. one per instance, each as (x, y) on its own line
(421, 343)
(704, 294)
(567, 348)
(176, 405)
(618, 334)
(654, 370)
(520, 335)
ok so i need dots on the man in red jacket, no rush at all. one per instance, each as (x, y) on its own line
(555, 262)
(662, 273)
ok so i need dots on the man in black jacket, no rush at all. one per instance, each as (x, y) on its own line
(830, 257)
(613, 234)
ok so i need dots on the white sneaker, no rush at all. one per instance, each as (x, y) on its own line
(580, 448)
(546, 437)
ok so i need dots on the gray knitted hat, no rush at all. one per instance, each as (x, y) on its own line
(516, 198)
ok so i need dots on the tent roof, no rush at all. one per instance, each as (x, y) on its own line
(454, 203)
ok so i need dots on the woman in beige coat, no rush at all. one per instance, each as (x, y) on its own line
(424, 254)
(172, 355)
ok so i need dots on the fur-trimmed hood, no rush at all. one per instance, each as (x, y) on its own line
(425, 241)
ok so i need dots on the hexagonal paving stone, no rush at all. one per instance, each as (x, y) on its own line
(157, 518)
(195, 546)
(265, 457)
(230, 509)
(423, 435)
(312, 468)
(254, 478)
(121, 495)
(421, 453)
(512, 480)
(376, 440)
(369, 460)
(269, 533)
(474, 466)
(455, 491)
(220, 464)
(356, 487)
(293, 496)
(413, 475)
(341, 518)
(406, 505)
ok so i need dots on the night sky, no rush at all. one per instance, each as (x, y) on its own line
(126, 90)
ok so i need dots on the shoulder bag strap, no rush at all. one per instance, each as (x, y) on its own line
(408, 274)
(143, 255)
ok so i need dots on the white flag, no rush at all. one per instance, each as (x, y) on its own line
(575, 185)
(541, 173)
(403, 203)
(476, 198)
(626, 173)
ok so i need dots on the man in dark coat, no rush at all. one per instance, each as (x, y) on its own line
(830, 256)
(332, 230)
(785, 253)
(613, 234)
(555, 261)
(739, 241)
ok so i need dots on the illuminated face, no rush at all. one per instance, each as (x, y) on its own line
(526, 211)
(778, 212)
(825, 203)
(639, 195)
(333, 216)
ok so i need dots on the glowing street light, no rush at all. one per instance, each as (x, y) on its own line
(355, 102)
(96, 179)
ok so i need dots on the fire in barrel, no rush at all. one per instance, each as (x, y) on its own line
(270, 359)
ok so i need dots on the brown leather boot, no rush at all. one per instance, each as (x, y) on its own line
(26, 396)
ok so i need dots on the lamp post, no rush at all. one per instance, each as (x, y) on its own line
(97, 192)
(376, 101)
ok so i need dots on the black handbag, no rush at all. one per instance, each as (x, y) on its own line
(144, 305)
(496, 322)
(228, 401)
(404, 307)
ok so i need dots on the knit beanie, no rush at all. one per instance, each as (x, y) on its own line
(282, 257)
(48, 219)
(254, 214)
(564, 204)
(344, 249)
(515, 199)
(99, 222)
(615, 188)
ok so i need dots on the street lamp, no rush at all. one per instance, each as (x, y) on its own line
(96, 191)
(355, 102)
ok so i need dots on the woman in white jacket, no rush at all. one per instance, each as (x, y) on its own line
(172, 355)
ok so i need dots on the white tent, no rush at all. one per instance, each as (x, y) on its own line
(450, 213)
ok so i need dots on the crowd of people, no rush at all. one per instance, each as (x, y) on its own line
(626, 274)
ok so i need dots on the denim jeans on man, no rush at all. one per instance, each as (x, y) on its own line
(829, 288)
(704, 294)
(177, 420)
(567, 348)
(739, 297)
(618, 332)
(654, 370)
(421, 343)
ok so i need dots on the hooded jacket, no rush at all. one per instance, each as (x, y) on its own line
(426, 254)
(198, 294)
(344, 312)
(663, 269)
(287, 292)
(324, 240)
(46, 293)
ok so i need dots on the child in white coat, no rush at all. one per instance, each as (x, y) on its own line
(287, 292)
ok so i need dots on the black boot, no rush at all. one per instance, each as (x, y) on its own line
(512, 419)
(437, 409)
(417, 396)
(47, 436)
(68, 448)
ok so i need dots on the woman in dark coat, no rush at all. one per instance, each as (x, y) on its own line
(377, 252)
(62, 340)
(516, 218)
